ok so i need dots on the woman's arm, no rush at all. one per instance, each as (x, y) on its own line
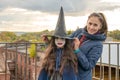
(89, 61)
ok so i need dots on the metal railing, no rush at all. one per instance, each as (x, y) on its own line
(17, 62)
(108, 66)
(18, 65)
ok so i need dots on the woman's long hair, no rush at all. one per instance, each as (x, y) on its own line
(68, 57)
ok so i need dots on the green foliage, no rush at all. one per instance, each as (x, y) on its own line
(28, 36)
(7, 36)
(69, 32)
(114, 34)
(36, 36)
(32, 50)
(43, 49)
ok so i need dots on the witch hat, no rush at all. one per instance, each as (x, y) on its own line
(60, 30)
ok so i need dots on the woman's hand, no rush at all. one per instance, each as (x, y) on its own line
(76, 43)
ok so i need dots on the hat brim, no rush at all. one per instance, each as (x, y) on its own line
(66, 37)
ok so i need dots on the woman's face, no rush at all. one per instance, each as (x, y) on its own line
(60, 42)
(93, 25)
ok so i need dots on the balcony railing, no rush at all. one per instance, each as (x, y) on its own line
(16, 64)
(108, 66)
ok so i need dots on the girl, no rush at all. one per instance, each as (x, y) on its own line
(60, 63)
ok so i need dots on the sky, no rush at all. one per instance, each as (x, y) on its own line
(39, 15)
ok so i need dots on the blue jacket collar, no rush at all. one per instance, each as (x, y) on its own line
(99, 37)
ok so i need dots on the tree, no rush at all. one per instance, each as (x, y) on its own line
(114, 34)
(69, 32)
(32, 50)
(7, 36)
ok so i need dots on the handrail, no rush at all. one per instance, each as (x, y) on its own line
(26, 68)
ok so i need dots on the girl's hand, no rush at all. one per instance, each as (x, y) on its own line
(44, 38)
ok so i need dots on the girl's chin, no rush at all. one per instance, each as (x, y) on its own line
(60, 46)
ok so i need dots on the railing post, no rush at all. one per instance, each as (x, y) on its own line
(21, 59)
(109, 62)
(35, 61)
(5, 61)
(117, 69)
(25, 66)
(93, 71)
(101, 76)
(16, 64)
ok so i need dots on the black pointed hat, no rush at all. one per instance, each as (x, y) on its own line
(60, 30)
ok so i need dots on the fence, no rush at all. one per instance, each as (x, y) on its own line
(16, 64)
(108, 66)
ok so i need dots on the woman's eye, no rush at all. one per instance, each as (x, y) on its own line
(95, 24)
(90, 23)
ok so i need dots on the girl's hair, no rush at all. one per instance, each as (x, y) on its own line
(68, 58)
(102, 19)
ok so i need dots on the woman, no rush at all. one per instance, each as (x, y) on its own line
(88, 44)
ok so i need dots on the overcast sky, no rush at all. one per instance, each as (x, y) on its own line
(38, 15)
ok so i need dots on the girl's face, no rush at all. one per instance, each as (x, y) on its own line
(93, 25)
(60, 42)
